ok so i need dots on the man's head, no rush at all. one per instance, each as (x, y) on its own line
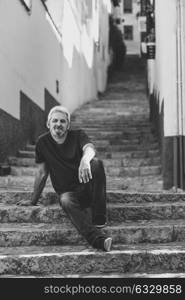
(58, 122)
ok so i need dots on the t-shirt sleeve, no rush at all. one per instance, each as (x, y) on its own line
(39, 158)
(84, 139)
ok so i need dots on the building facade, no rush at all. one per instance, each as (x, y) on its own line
(166, 78)
(51, 52)
(126, 18)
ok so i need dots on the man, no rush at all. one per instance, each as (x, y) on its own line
(76, 175)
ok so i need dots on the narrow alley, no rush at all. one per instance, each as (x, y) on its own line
(146, 224)
(118, 68)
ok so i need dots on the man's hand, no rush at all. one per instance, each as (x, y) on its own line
(40, 181)
(25, 203)
(84, 171)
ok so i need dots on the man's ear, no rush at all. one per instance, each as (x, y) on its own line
(47, 125)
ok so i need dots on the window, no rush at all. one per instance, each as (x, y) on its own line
(127, 6)
(128, 32)
(27, 4)
(118, 21)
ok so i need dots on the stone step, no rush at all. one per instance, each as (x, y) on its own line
(112, 164)
(133, 154)
(63, 260)
(121, 140)
(142, 183)
(42, 234)
(111, 120)
(94, 129)
(119, 120)
(126, 96)
(132, 113)
(116, 213)
(102, 142)
(115, 156)
(108, 148)
(123, 88)
(132, 171)
(102, 106)
(101, 102)
(109, 170)
(122, 107)
(134, 162)
(19, 161)
(122, 197)
(26, 154)
(110, 275)
(150, 183)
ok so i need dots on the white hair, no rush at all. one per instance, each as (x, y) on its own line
(59, 108)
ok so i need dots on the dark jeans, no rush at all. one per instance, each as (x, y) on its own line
(86, 205)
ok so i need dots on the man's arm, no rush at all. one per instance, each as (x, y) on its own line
(39, 184)
(84, 171)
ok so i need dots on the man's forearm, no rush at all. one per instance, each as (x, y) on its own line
(89, 153)
(39, 184)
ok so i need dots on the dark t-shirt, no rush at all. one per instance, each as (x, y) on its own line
(62, 160)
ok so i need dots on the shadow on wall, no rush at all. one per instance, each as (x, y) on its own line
(166, 143)
(79, 84)
(85, 59)
(15, 134)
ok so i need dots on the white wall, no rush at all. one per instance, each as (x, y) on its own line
(166, 64)
(33, 55)
(84, 70)
(30, 55)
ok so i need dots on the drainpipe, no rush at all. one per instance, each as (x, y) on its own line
(181, 84)
(178, 141)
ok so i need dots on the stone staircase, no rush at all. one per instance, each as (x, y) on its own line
(146, 222)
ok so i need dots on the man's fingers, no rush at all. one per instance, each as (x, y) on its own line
(90, 174)
(84, 175)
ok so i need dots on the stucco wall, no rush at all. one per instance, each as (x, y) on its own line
(30, 55)
(166, 63)
(84, 67)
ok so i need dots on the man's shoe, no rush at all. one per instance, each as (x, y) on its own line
(100, 225)
(107, 244)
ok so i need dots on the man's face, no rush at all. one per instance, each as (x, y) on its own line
(58, 124)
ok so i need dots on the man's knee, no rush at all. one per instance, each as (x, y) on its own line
(97, 167)
(65, 201)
